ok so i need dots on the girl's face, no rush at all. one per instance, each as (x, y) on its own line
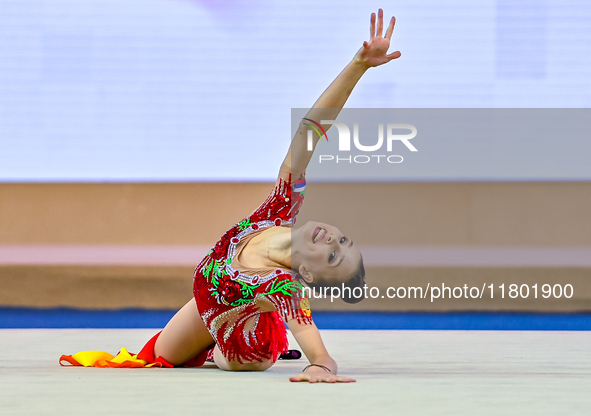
(324, 251)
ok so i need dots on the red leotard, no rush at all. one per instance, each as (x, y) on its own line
(226, 298)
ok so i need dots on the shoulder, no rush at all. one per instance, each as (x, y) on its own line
(289, 300)
(283, 203)
(296, 182)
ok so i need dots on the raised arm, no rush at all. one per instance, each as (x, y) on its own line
(332, 100)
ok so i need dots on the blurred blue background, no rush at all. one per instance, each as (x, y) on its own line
(168, 90)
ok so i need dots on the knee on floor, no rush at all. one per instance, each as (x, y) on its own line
(223, 363)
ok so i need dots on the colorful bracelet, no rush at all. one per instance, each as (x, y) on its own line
(316, 365)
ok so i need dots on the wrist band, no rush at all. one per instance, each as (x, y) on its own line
(316, 365)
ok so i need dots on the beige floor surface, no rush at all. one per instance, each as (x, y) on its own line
(398, 372)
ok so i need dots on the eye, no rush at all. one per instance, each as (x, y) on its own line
(332, 256)
(342, 240)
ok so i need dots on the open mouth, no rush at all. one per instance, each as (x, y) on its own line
(318, 234)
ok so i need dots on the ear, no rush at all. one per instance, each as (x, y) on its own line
(306, 275)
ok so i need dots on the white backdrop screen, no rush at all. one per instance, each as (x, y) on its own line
(202, 90)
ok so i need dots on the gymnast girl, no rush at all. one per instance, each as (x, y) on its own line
(250, 284)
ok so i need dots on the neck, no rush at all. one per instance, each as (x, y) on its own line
(278, 249)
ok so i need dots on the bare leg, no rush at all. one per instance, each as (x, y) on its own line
(184, 336)
(223, 363)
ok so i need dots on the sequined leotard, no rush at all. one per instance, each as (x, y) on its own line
(227, 298)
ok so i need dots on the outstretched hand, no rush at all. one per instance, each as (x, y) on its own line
(321, 378)
(375, 52)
